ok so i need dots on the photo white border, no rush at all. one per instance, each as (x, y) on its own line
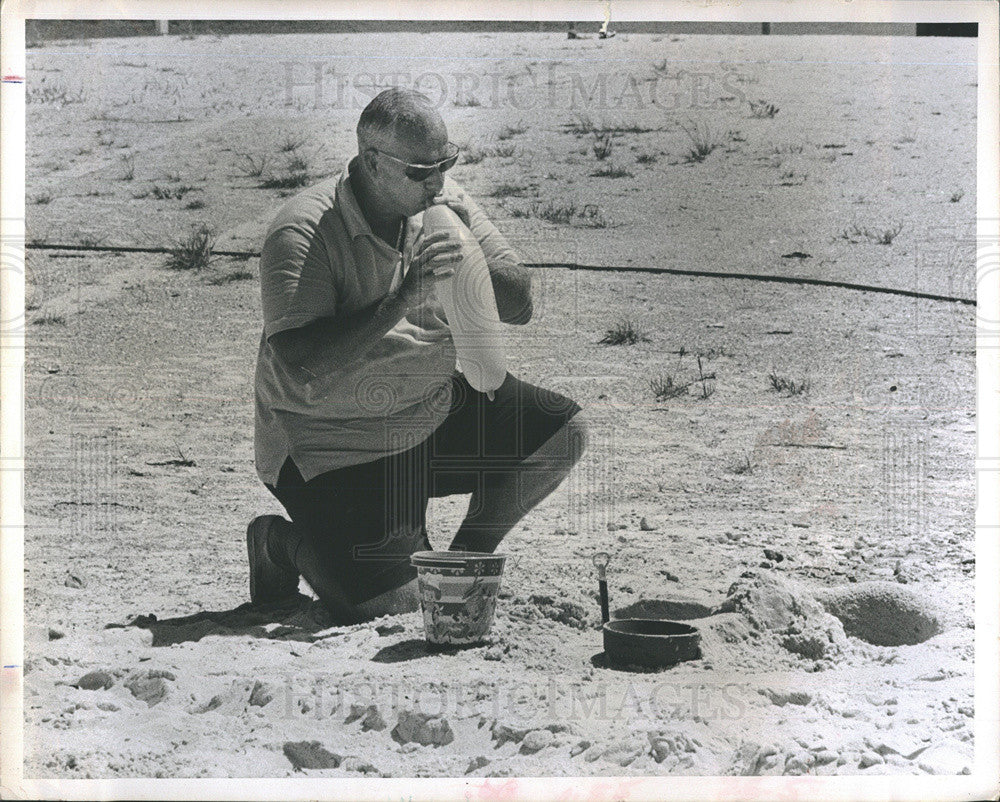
(983, 783)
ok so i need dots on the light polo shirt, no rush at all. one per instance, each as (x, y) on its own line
(321, 260)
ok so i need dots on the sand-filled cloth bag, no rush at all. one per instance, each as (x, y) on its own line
(470, 305)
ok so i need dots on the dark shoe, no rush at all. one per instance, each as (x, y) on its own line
(270, 583)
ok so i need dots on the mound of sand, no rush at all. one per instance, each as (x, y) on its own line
(784, 611)
(882, 613)
(672, 609)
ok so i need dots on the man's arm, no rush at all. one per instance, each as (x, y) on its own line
(512, 288)
(331, 344)
(511, 279)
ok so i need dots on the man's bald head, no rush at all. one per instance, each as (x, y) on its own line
(399, 114)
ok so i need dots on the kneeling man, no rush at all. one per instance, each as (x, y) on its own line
(361, 415)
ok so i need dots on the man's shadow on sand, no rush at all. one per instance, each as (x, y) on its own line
(305, 620)
(299, 620)
(415, 648)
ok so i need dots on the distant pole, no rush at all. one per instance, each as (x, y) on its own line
(765, 28)
(163, 27)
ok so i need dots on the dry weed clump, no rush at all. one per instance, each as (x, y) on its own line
(193, 253)
(624, 332)
(787, 385)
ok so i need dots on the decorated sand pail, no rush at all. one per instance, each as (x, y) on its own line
(458, 594)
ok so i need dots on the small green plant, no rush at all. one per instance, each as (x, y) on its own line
(49, 319)
(472, 155)
(628, 128)
(603, 146)
(592, 217)
(506, 190)
(562, 213)
(712, 352)
(884, 236)
(252, 165)
(664, 387)
(646, 158)
(763, 109)
(43, 199)
(53, 93)
(790, 178)
(170, 193)
(197, 203)
(957, 196)
(611, 171)
(128, 167)
(297, 165)
(510, 131)
(786, 385)
(290, 181)
(887, 235)
(92, 240)
(242, 274)
(624, 332)
(554, 212)
(581, 126)
(193, 253)
(290, 143)
(703, 378)
(853, 233)
(741, 465)
(703, 141)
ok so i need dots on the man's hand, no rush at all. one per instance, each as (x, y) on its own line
(453, 201)
(432, 261)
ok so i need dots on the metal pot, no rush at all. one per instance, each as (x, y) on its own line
(643, 642)
(650, 642)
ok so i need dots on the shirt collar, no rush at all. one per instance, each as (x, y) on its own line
(354, 219)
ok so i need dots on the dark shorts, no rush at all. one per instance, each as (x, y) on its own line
(366, 520)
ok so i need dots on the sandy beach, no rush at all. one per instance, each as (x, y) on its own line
(806, 499)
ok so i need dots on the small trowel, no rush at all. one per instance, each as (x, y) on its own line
(601, 560)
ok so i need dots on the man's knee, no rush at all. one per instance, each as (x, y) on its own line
(566, 446)
(577, 432)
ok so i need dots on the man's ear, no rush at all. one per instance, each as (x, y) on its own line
(370, 159)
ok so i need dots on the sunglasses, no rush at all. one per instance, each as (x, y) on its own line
(421, 172)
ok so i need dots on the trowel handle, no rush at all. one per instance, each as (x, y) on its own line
(605, 613)
(601, 560)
